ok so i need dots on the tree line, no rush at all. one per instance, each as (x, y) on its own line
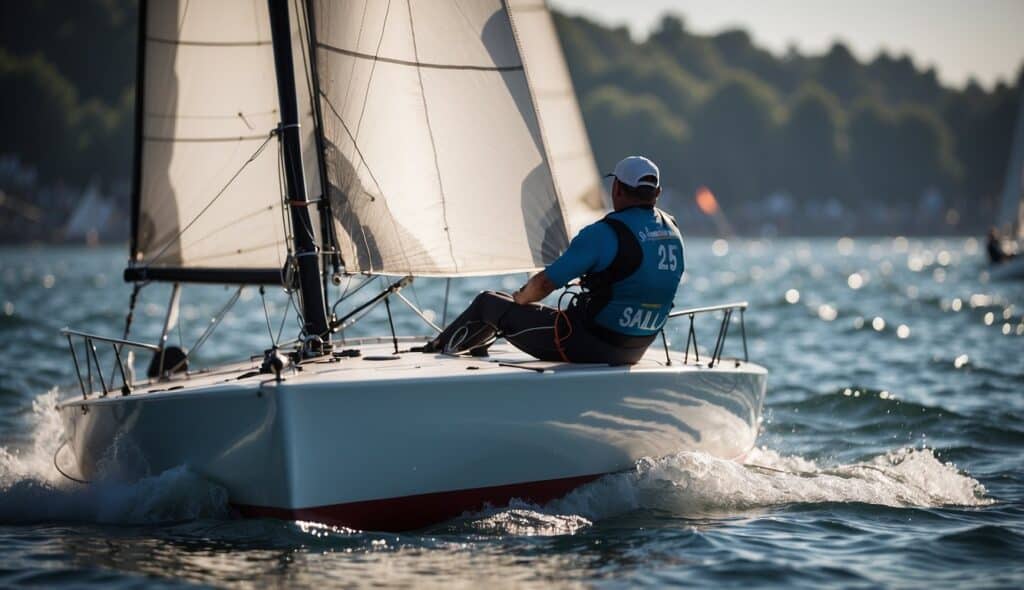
(883, 140)
(788, 135)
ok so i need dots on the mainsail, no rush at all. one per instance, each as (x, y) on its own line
(1011, 211)
(207, 103)
(448, 137)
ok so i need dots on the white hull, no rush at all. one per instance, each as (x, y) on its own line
(395, 444)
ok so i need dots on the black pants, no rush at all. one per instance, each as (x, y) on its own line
(531, 328)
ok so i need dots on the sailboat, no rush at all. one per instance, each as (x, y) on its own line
(413, 139)
(1011, 210)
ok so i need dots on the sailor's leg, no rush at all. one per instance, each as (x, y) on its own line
(474, 327)
(582, 345)
(531, 329)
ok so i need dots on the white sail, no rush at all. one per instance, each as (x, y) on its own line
(209, 101)
(433, 149)
(1011, 211)
(565, 135)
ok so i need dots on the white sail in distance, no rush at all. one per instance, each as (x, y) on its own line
(443, 155)
(1011, 210)
(209, 100)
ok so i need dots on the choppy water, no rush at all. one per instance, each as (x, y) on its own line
(892, 453)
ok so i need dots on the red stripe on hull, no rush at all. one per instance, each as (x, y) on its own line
(413, 512)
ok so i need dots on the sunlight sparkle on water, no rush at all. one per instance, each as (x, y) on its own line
(844, 246)
(792, 296)
(827, 312)
(855, 281)
(903, 331)
(720, 247)
(878, 324)
(960, 361)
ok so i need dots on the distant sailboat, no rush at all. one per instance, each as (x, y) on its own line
(288, 143)
(91, 219)
(1011, 210)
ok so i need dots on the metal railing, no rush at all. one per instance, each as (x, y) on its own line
(727, 310)
(92, 360)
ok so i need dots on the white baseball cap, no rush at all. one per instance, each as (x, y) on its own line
(632, 169)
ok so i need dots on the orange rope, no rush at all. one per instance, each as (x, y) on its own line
(560, 339)
(560, 314)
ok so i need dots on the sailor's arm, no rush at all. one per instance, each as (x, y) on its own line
(538, 287)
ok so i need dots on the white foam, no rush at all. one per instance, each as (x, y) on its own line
(32, 490)
(697, 484)
(692, 484)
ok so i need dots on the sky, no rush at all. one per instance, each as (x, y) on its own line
(960, 38)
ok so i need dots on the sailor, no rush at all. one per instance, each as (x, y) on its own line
(629, 264)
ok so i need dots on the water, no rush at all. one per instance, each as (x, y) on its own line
(891, 454)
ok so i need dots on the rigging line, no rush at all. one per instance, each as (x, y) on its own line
(417, 63)
(214, 322)
(234, 222)
(285, 215)
(359, 42)
(280, 327)
(387, 206)
(266, 316)
(234, 252)
(433, 142)
(222, 139)
(254, 155)
(369, 79)
(347, 294)
(355, 144)
(232, 116)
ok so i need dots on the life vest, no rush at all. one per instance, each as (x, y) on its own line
(632, 297)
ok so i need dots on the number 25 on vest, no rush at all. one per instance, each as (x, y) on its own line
(667, 259)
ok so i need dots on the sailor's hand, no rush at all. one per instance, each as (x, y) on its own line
(519, 298)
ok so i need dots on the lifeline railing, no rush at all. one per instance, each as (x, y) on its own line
(92, 359)
(723, 331)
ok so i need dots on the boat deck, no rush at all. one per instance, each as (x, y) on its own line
(377, 362)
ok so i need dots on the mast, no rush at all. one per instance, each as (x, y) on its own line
(140, 107)
(314, 311)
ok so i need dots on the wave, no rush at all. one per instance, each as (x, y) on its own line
(33, 491)
(697, 485)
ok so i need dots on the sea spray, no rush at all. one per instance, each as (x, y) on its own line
(698, 485)
(32, 490)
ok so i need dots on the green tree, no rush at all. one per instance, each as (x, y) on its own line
(734, 143)
(812, 141)
(620, 123)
